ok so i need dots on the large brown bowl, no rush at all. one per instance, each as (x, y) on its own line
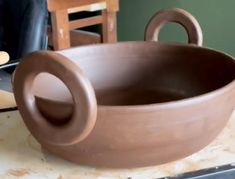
(129, 104)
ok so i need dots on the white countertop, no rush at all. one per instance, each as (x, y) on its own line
(22, 157)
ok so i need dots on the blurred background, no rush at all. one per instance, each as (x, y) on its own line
(216, 17)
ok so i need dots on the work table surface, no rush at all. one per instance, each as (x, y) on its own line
(21, 155)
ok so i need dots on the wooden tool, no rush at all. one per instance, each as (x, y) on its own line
(7, 100)
(4, 57)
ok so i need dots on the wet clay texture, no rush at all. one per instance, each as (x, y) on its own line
(129, 104)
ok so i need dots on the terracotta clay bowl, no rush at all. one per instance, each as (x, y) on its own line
(129, 104)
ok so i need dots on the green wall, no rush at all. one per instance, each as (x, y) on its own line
(216, 17)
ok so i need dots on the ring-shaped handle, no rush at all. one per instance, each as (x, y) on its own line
(85, 106)
(187, 20)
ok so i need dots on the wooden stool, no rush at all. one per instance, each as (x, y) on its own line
(62, 27)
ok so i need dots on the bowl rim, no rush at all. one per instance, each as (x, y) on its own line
(170, 104)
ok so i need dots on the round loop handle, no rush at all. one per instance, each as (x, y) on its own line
(85, 106)
(176, 15)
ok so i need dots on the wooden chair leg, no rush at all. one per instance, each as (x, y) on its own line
(60, 29)
(109, 27)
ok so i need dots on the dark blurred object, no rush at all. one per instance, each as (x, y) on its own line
(23, 29)
(24, 26)
(1, 23)
(220, 172)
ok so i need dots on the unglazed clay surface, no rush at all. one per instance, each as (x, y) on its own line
(128, 104)
(23, 157)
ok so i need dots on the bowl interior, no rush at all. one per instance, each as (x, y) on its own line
(137, 73)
